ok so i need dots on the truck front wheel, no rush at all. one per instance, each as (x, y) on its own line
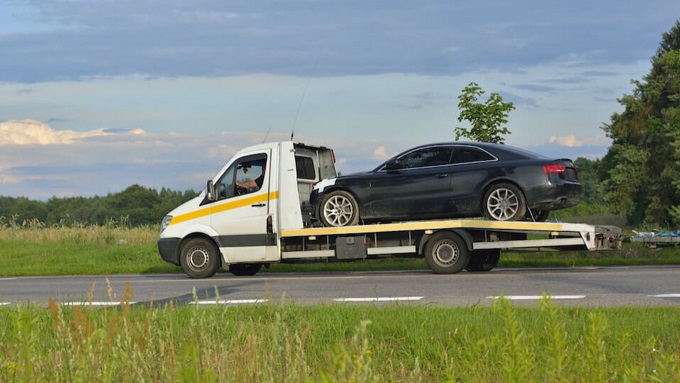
(446, 253)
(199, 258)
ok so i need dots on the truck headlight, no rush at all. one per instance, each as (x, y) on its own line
(165, 222)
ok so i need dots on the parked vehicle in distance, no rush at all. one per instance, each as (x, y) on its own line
(451, 180)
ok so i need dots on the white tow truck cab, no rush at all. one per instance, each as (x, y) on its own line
(255, 212)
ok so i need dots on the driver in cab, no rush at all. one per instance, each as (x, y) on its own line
(253, 185)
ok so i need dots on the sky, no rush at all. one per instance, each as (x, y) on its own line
(98, 95)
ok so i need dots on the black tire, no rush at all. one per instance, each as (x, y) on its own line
(339, 208)
(483, 260)
(504, 202)
(446, 253)
(245, 269)
(200, 258)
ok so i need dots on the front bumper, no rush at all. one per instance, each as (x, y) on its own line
(168, 249)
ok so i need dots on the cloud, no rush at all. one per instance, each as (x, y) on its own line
(31, 132)
(216, 38)
(572, 141)
(380, 153)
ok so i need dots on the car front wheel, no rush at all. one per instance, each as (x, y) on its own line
(504, 202)
(339, 208)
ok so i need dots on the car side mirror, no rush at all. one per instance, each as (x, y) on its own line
(210, 191)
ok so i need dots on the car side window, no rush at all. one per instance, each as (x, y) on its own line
(464, 155)
(431, 156)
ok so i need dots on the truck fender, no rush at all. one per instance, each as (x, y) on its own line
(461, 232)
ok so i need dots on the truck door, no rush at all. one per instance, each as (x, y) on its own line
(243, 205)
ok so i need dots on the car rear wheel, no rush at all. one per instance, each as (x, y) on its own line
(339, 208)
(504, 202)
(446, 253)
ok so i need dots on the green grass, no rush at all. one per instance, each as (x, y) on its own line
(339, 343)
(31, 249)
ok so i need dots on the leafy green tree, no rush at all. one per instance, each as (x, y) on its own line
(487, 118)
(639, 172)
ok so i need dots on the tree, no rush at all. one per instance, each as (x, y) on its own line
(639, 172)
(487, 119)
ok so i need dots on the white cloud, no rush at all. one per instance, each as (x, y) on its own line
(380, 153)
(31, 132)
(572, 141)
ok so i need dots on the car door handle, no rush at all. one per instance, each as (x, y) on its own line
(442, 175)
(259, 205)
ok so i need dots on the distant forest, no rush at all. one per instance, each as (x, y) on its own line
(134, 206)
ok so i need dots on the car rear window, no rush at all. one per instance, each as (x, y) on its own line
(462, 155)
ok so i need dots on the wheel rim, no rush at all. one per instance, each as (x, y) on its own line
(502, 204)
(338, 211)
(198, 258)
(445, 253)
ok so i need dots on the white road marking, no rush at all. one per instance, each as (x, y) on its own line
(378, 299)
(231, 302)
(5, 303)
(666, 296)
(536, 297)
(94, 303)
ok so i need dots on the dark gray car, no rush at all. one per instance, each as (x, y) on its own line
(451, 180)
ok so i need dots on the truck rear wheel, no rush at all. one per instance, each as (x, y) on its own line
(199, 258)
(483, 260)
(446, 253)
(245, 269)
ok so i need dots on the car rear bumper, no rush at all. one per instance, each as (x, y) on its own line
(554, 198)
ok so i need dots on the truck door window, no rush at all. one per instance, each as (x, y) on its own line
(243, 177)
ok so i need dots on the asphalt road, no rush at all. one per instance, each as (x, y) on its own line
(593, 286)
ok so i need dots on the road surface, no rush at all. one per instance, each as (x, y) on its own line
(583, 286)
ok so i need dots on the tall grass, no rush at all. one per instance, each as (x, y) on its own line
(337, 343)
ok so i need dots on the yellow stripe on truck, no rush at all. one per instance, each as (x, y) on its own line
(214, 209)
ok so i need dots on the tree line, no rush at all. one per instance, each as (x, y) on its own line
(134, 206)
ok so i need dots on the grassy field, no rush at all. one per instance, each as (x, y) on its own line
(339, 343)
(322, 343)
(31, 249)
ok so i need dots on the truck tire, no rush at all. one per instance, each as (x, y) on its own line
(339, 208)
(245, 269)
(504, 202)
(199, 258)
(446, 253)
(483, 260)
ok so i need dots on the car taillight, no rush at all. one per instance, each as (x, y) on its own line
(554, 169)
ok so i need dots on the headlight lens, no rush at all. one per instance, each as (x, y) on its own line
(165, 222)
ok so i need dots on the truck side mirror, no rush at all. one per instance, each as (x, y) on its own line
(210, 191)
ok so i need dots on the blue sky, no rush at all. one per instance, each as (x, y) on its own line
(98, 95)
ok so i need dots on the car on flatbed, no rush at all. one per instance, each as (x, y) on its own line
(451, 180)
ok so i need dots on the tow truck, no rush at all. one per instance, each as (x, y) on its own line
(255, 211)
